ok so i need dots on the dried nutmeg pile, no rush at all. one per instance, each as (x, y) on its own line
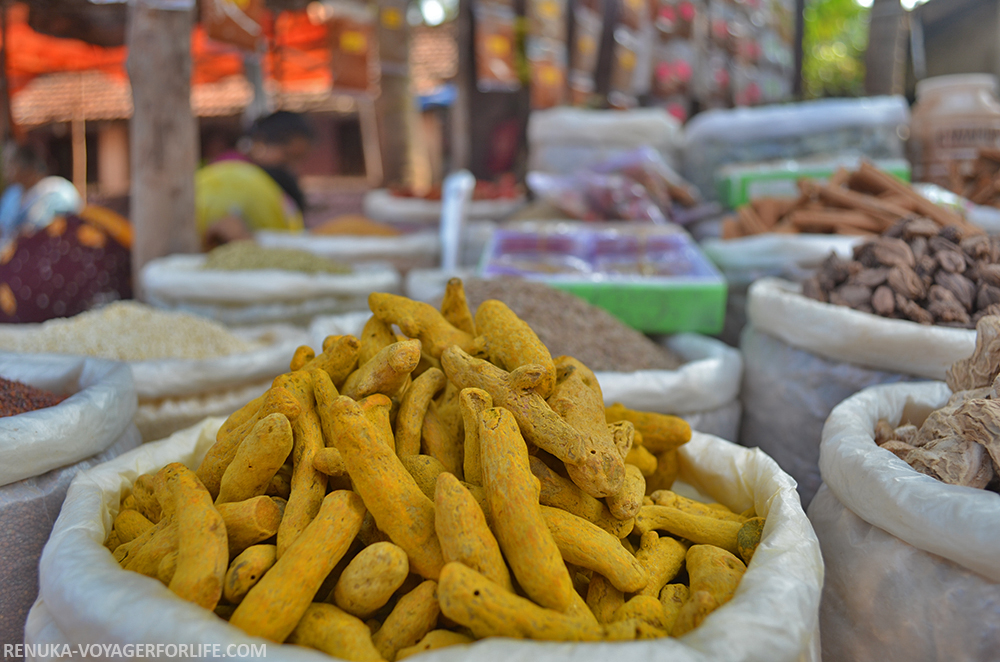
(917, 271)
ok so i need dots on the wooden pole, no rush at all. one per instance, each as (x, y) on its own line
(78, 132)
(394, 109)
(163, 134)
(884, 59)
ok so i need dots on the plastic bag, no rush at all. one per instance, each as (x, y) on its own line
(41, 452)
(772, 616)
(912, 558)
(381, 205)
(787, 394)
(590, 196)
(260, 296)
(704, 390)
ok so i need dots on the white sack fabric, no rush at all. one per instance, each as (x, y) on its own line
(803, 357)
(87, 598)
(40, 453)
(910, 557)
(381, 205)
(704, 391)
(239, 298)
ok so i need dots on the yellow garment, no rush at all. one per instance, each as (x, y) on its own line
(242, 189)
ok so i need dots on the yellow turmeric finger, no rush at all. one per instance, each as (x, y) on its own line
(673, 597)
(112, 541)
(144, 492)
(434, 640)
(308, 483)
(303, 355)
(411, 619)
(329, 462)
(395, 501)
(626, 504)
(377, 408)
(146, 558)
(748, 538)
(336, 633)
(273, 607)
(697, 529)
(412, 409)
(425, 470)
(437, 441)
(376, 336)
(603, 599)
(520, 528)
(339, 358)
(249, 522)
(202, 548)
(130, 524)
(584, 544)
(714, 570)
(221, 454)
(385, 373)
(246, 570)
(624, 435)
(693, 613)
(167, 567)
(715, 511)
(515, 392)
(300, 384)
(601, 472)
(643, 459)
(419, 320)
(257, 460)
(662, 558)
(489, 610)
(370, 579)
(632, 629)
(644, 608)
(510, 343)
(667, 469)
(280, 485)
(463, 532)
(473, 403)
(560, 492)
(660, 432)
(455, 307)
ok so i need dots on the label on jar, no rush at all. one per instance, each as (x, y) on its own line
(951, 148)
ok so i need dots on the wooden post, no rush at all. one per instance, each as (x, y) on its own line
(78, 133)
(885, 58)
(394, 105)
(163, 134)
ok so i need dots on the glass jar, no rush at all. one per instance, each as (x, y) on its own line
(953, 117)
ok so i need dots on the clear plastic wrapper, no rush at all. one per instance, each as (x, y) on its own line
(592, 196)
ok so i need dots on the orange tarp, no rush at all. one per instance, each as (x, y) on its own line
(299, 55)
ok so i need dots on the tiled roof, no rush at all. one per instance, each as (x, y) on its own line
(433, 56)
(96, 96)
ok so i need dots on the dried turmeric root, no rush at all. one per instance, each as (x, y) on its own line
(386, 372)
(696, 528)
(455, 307)
(473, 402)
(370, 579)
(257, 460)
(560, 492)
(419, 320)
(413, 408)
(336, 633)
(510, 343)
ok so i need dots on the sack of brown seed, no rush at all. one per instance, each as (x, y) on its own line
(909, 556)
(802, 357)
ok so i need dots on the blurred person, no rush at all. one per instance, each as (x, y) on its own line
(33, 197)
(258, 188)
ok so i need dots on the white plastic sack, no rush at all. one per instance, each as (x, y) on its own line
(910, 557)
(563, 140)
(381, 205)
(87, 598)
(157, 419)
(839, 333)
(240, 298)
(704, 391)
(787, 394)
(41, 452)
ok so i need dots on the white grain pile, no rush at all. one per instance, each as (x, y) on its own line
(128, 331)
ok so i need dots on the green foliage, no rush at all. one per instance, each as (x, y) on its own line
(833, 48)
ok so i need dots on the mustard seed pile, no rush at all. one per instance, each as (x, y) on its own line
(248, 256)
(128, 331)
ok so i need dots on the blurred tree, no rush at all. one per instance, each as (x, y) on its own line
(833, 45)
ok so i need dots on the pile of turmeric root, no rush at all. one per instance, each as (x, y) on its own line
(400, 493)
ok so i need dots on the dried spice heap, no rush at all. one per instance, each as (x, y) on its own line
(917, 271)
(982, 185)
(959, 444)
(17, 398)
(866, 202)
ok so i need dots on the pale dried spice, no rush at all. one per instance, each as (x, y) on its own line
(851, 295)
(813, 290)
(952, 261)
(941, 243)
(977, 247)
(994, 249)
(905, 282)
(960, 286)
(893, 252)
(884, 301)
(870, 277)
(988, 273)
(906, 433)
(913, 311)
(884, 432)
(979, 421)
(987, 296)
(919, 247)
(953, 460)
(985, 312)
(943, 305)
(920, 227)
(983, 366)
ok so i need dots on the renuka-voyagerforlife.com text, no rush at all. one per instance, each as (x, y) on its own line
(36, 651)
